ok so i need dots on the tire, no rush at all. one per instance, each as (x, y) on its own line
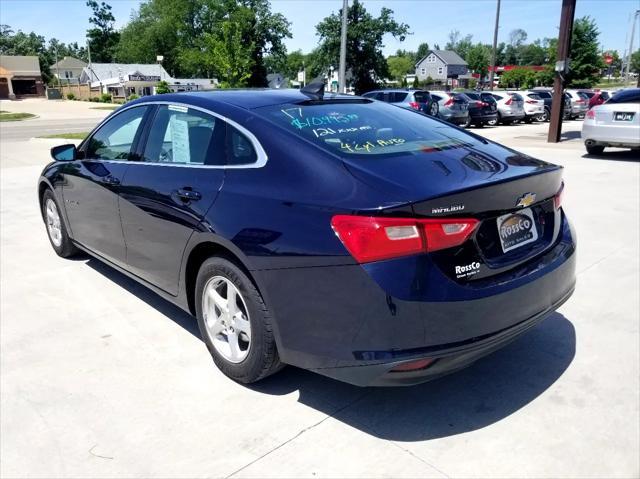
(256, 355)
(56, 229)
(467, 123)
(546, 116)
(494, 122)
(434, 109)
(528, 119)
(594, 149)
(479, 124)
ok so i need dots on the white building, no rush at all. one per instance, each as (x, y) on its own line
(68, 70)
(138, 79)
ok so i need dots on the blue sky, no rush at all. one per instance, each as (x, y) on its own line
(430, 20)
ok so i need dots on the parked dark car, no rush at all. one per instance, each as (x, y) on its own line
(452, 108)
(483, 108)
(547, 96)
(366, 242)
(412, 99)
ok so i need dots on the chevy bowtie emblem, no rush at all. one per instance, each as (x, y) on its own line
(526, 200)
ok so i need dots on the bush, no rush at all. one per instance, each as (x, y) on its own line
(133, 96)
(94, 99)
(473, 82)
(71, 96)
(106, 98)
(162, 87)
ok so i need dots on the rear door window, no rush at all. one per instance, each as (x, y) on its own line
(421, 97)
(181, 135)
(397, 96)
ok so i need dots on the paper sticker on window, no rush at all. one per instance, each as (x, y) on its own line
(180, 140)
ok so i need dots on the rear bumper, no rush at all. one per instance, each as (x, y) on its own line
(611, 135)
(355, 323)
(484, 117)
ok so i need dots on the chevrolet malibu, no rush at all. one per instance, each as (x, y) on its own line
(350, 237)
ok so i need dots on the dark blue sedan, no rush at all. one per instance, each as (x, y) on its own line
(353, 238)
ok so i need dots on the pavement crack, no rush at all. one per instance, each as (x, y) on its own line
(300, 433)
(427, 463)
(600, 260)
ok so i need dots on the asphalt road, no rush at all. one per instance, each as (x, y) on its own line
(102, 378)
(19, 131)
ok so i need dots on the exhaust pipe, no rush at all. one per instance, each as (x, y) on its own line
(589, 142)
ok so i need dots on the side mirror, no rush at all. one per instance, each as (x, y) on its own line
(64, 152)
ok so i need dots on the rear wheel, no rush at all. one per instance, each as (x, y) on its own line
(494, 122)
(56, 229)
(546, 115)
(594, 149)
(480, 124)
(234, 322)
(466, 123)
(434, 109)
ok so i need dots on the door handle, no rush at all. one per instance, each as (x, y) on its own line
(111, 180)
(187, 194)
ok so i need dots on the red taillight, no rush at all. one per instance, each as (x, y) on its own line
(579, 101)
(413, 365)
(415, 105)
(533, 102)
(449, 102)
(509, 101)
(481, 104)
(557, 200)
(591, 115)
(373, 238)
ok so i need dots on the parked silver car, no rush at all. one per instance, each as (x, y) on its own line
(510, 106)
(579, 103)
(452, 108)
(614, 123)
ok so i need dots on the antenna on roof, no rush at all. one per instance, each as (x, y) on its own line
(315, 89)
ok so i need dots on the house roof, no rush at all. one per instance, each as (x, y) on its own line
(104, 71)
(69, 62)
(447, 56)
(20, 65)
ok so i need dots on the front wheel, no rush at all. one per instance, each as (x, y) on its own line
(546, 115)
(234, 322)
(56, 229)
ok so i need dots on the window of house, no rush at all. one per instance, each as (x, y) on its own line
(440, 70)
(423, 71)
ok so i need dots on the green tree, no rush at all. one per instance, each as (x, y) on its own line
(478, 58)
(399, 66)
(423, 49)
(364, 43)
(518, 78)
(103, 38)
(162, 87)
(586, 61)
(30, 44)
(460, 45)
(235, 66)
(533, 54)
(635, 62)
(545, 77)
(183, 31)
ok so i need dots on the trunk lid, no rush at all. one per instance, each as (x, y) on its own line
(493, 184)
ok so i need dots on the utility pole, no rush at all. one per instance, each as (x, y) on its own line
(630, 51)
(343, 49)
(58, 67)
(495, 45)
(562, 67)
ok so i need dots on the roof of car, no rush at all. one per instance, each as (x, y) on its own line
(247, 98)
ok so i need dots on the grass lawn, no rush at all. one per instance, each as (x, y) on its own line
(105, 107)
(68, 136)
(6, 116)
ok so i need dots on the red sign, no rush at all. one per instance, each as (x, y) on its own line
(608, 59)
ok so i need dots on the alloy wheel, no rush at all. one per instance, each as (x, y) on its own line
(53, 222)
(226, 318)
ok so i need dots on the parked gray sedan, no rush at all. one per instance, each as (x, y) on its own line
(510, 106)
(452, 108)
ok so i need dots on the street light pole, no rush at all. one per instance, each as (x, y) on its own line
(343, 49)
(495, 45)
(630, 51)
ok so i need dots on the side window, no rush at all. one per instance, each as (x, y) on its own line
(182, 135)
(239, 148)
(114, 139)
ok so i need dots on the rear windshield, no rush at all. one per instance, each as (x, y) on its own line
(473, 96)
(516, 97)
(534, 96)
(366, 128)
(421, 96)
(488, 97)
(583, 95)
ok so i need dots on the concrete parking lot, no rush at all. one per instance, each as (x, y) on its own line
(102, 378)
